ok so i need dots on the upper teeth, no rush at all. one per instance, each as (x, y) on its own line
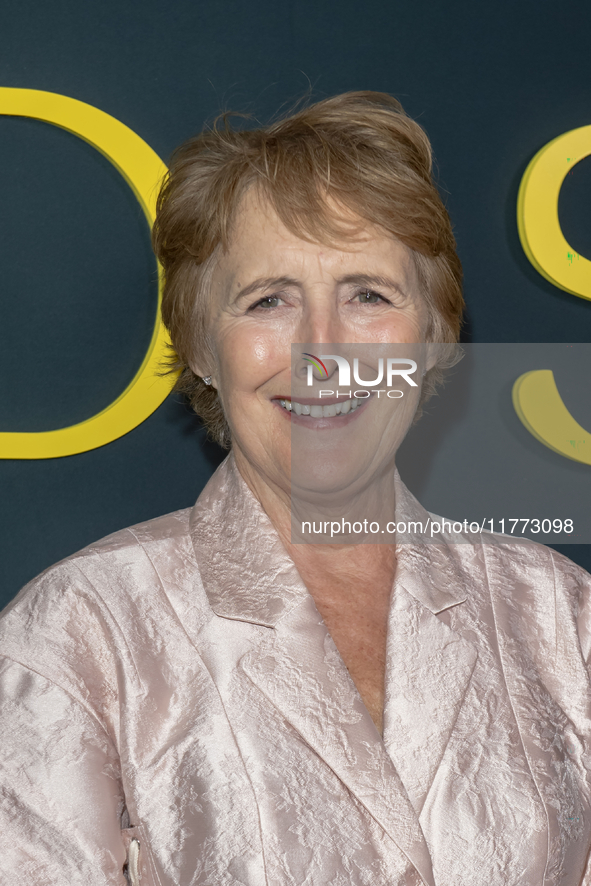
(318, 411)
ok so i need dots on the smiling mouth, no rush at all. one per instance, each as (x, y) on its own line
(328, 410)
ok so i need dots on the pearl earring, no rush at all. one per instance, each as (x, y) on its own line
(207, 379)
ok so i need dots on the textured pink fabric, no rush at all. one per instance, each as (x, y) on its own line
(175, 684)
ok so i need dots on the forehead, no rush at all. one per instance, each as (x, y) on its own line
(260, 244)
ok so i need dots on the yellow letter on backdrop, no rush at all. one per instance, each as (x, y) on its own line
(142, 169)
(535, 396)
(539, 405)
(537, 213)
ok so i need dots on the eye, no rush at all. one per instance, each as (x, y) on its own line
(369, 297)
(269, 301)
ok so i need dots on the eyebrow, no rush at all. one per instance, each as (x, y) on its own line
(370, 280)
(356, 279)
(265, 283)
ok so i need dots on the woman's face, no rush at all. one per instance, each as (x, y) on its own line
(271, 289)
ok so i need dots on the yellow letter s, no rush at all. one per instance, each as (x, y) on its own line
(535, 396)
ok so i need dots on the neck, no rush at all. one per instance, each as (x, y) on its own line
(319, 562)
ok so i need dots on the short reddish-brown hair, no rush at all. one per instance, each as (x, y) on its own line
(360, 151)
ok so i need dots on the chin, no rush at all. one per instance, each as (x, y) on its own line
(330, 472)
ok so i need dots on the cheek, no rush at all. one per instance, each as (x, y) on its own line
(248, 356)
(407, 328)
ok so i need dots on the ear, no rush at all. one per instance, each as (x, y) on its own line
(202, 369)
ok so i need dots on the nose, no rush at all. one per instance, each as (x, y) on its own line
(320, 325)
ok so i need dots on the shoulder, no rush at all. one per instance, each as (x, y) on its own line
(542, 604)
(541, 599)
(95, 616)
(517, 559)
(97, 569)
(522, 561)
(536, 604)
(169, 528)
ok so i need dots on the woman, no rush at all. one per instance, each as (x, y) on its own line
(202, 699)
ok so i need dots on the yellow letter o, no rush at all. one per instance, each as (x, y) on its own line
(143, 170)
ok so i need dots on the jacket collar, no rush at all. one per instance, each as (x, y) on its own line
(246, 572)
(227, 522)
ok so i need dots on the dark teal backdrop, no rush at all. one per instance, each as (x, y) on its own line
(491, 82)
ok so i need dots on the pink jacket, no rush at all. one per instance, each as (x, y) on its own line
(172, 704)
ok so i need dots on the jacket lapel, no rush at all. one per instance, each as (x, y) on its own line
(302, 674)
(429, 666)
(428, 672)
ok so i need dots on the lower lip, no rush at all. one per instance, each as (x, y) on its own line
(326, 422)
